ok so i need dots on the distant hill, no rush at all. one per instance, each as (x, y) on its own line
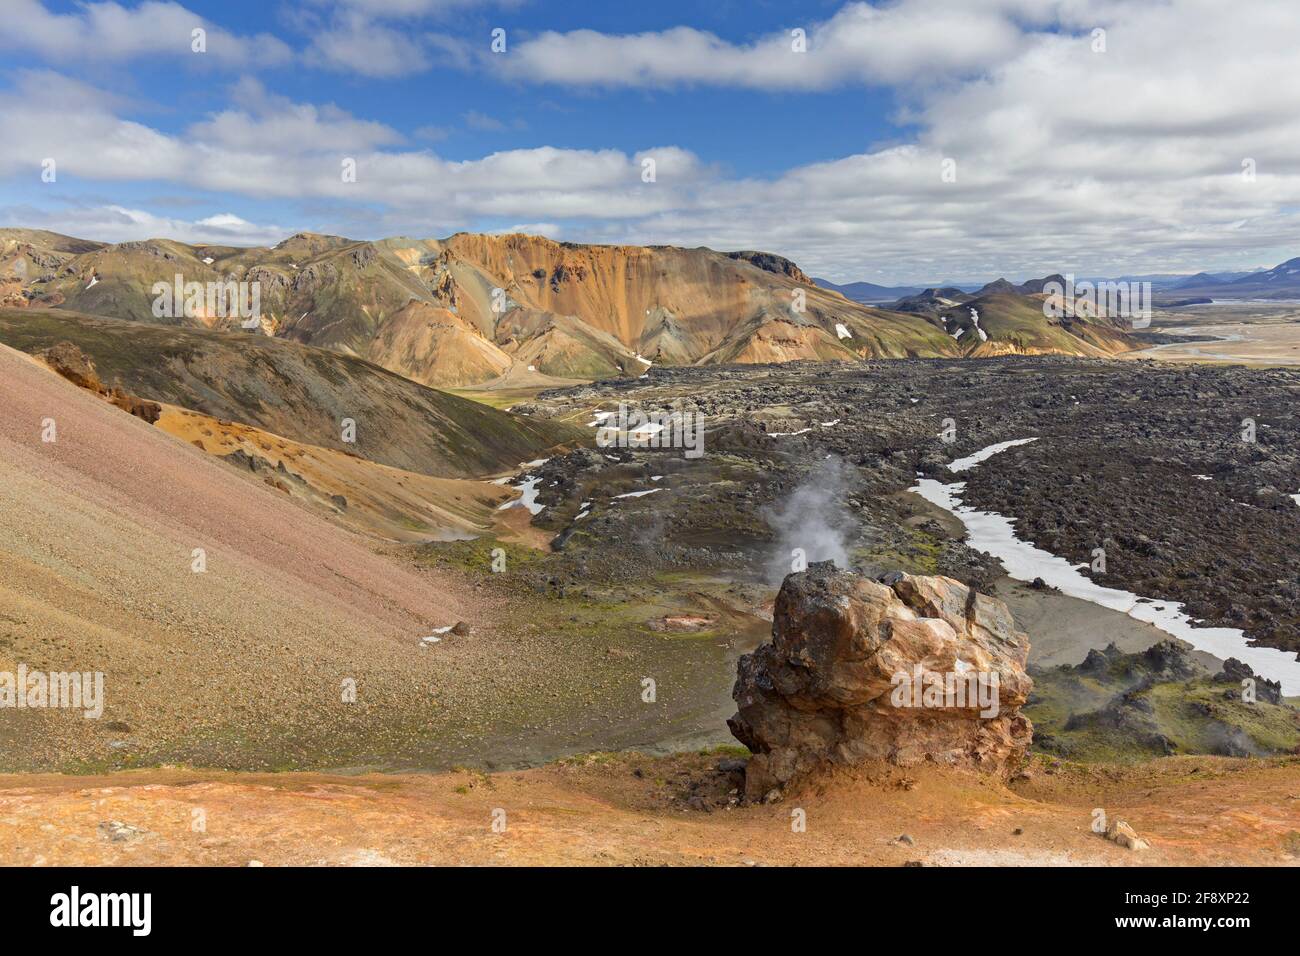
(1208, 278)
(294, 390)
(869, 292)
(1280, 282)
(931, 301)
(999, 322)
(1004, 318)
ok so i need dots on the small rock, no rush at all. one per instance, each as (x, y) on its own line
(772, 796)
(118, 832)
(1123, 834)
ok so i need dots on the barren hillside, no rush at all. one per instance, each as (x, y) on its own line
(471, 308)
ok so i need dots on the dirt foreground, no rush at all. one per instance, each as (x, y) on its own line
(629, 810)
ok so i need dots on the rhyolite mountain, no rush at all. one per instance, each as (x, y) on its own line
(1004, 318)
(474, 309)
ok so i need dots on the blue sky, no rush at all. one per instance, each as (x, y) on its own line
(732, 130)
(1067, 157)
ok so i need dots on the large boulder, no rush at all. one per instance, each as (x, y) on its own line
(920, 668)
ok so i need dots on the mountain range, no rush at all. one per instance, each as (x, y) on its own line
(476, 310)
(1280, 282)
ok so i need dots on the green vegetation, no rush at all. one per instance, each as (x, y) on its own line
(1137, 706)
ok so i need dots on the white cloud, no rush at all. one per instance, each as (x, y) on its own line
(548, 229)
(112, 223)
(396, 9)
(490, 124)
(274, 148)
(357, 44)
(906, 42)
(111, 32)
(297, 127)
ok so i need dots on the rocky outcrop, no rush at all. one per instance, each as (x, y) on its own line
(770, 262)
(912, 669)
(69, 361)
(1237, 673)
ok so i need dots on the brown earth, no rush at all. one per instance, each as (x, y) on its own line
(366, 496)
(631, 810)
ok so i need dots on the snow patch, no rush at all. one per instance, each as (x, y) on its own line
(984, 454)
(995, 535)
(528, 496)
(433, 638)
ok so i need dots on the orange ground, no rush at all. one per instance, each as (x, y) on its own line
(1203, 811)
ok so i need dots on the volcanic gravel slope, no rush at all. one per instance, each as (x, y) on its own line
(239, 666)
(294, 390)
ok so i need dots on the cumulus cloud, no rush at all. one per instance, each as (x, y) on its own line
(397, 9)
(110, 32)
(548, 229)
(261, 117)
(111, 223)
(355, 43)
(266, 146)
(906, 42)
